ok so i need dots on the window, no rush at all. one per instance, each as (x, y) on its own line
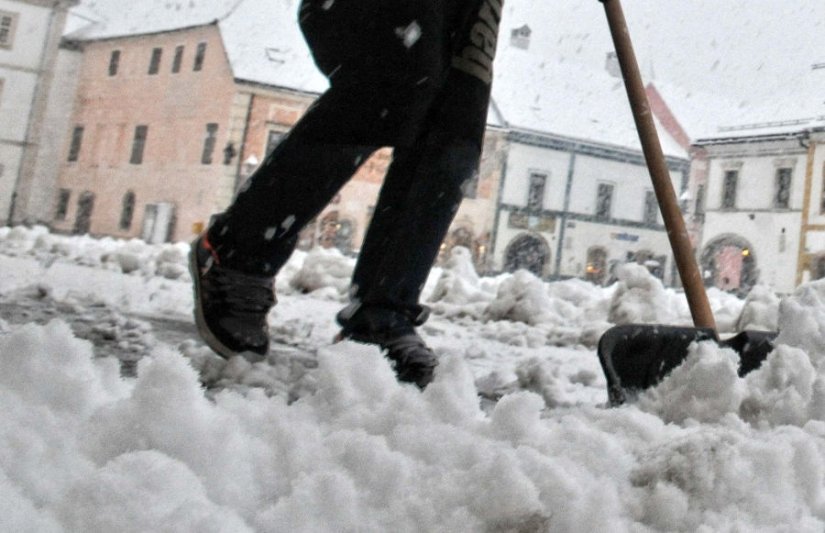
(700, 200)
(535, 194)
(77, 141)
(651, 212)
(138, 145)
(178, 59)
(782, 198)
(8, 25)
(604, 201)
(229, 153)
(127, 211)
(209, 143)
(729, 189)
(154, 63)
(273, 138)
(63, 198)
(200, 54)
(114, 62)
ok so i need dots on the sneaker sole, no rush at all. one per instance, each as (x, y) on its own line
(200, 321)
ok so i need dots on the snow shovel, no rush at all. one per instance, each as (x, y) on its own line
(636, 357)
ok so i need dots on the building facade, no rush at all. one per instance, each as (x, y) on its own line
(763, 209)
(577, 209)
(149, 152)
(30, 33)
(162, 135)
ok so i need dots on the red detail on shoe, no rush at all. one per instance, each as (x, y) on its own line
(209, 248)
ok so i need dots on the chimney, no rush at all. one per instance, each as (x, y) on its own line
(611, 64)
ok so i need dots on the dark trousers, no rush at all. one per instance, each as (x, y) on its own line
(410, 74)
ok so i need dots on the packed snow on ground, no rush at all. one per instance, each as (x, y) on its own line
(322, 438)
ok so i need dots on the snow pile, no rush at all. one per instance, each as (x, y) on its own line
(523, 297)
(459, 290)
(641, 298)
(323, 438)
(802, 320)
(94, 453)
(126, 256)
(324, 268)
(787, 389)
(760, 310)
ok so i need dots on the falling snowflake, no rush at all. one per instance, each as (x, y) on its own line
(288, 222)
(410, 34)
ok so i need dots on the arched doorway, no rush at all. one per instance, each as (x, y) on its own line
(596, 269)
(728, 263)
(527, 252)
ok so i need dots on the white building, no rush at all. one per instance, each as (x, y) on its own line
(764, 206)
(576, 197)
(30, 32)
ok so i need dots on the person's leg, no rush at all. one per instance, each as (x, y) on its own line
(382, 82)
(420, 197)
(424, 186)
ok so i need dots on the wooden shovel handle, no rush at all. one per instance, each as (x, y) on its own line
(657, 166)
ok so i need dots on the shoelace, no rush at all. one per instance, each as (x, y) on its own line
(248, 294)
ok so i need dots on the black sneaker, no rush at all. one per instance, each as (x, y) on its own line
(394, 332)
(230, 306)
(414, 361)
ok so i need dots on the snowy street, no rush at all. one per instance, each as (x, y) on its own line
(118, 434)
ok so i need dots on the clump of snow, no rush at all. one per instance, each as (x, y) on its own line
(323, 268)
(705, 387)
(802, 320)
(459, 290)
(787, 389)
(524, 298)
(640, 298)
(727, 309)
(781, 389)
(760, 311)
(322, 437)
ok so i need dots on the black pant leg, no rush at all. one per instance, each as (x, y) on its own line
(382, 84)
(424, 187)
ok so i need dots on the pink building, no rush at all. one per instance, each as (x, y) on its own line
(168, 123)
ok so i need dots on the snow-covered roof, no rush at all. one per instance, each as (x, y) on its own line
(261, 37)
(711, 117)
(567, 99)
(102, 19)
(265, 45)
(717, 64)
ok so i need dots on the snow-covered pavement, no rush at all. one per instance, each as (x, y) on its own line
(116, 433)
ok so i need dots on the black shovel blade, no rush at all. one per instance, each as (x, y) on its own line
(635, 357)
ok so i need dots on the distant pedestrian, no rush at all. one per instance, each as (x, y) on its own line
(411, 74)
